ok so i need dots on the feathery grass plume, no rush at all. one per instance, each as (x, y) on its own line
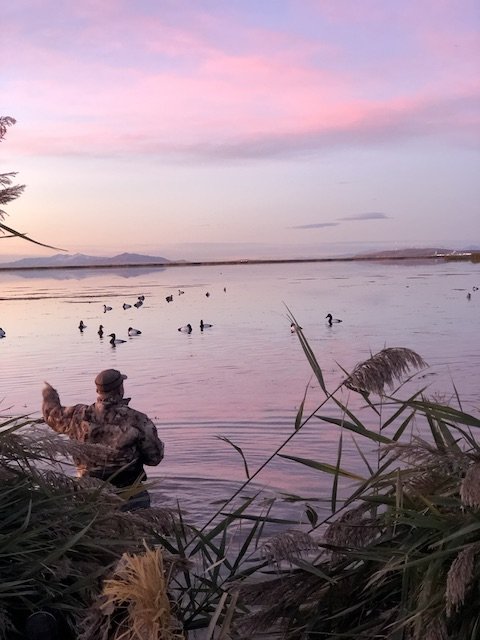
(459, 578)
(138, 589)
(436, 630)
(382, 369)
(288, 546)
(350, 531)
(470, 487)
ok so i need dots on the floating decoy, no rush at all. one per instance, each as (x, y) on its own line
(2, 333)
(204, 325)
(82, 326)
(114, 340)
(180, 292)
(186, 329)
(169, 298)
(105, 308)
(133, 332)
(100, 331)
(331, 320)
(126, 306)
(138, 304)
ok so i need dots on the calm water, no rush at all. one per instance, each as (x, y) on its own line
(245, 377)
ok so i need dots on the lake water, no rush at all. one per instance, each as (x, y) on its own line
(245, 377)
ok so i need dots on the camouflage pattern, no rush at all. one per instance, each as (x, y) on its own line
(131, 437)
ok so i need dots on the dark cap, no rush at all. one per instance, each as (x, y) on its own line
(109, 379)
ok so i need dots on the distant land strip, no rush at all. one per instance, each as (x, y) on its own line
(452, 257)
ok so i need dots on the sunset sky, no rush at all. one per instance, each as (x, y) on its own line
(241, 126)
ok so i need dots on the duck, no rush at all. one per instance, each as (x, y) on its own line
(114, 340)
(133, 332)
(180, 292)
(105, 308)
(469, 295)
(100, 331)
(138, 304)
(126, 306)
(186, 329)
(169, 298)
(142, 298)
(208, 294)
(331, 320)
(294, 327)
(204, 325)
(2, 333)
(82, 326)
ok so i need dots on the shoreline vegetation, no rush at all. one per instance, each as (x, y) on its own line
(397, 556)
(387, 256)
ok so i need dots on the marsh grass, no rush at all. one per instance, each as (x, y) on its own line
(396, 557)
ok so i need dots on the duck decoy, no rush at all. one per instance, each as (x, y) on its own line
(2, 333)
(82, 326)
(105, 308)
(186, 329)
(114, 340)
(169, 298)
(126, 306)
(133, 332)
(331, 319)
(100, 331)
(138, 304)
(204, 325)
(142, 298)
(180, 292)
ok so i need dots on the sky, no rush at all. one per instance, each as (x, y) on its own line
(241, 128)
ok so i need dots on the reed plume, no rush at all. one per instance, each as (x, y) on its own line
(288, 546)
(470, 487)
(383, 369)
(138, 588)
(459, 578)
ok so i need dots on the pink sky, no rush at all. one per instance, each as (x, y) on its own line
(148, 124)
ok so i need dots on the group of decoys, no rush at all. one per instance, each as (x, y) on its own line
(330, 321)
(188, 327)
(113, 338)
(125, 305)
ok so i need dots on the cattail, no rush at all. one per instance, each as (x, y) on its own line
(459, 578)
(382, 369)
(470, 487)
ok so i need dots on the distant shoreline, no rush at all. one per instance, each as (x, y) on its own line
(466, 257)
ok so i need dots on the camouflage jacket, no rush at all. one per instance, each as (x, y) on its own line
(131, 437)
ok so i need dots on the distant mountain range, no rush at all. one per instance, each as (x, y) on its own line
(64, 260)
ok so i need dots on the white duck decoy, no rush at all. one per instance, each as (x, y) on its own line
(186, 329)
(126, 306)
(133, 332)
(105, 308)
(100, 331)
(331, 319)
(204, 325)
(2, 333)
(114, 340)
